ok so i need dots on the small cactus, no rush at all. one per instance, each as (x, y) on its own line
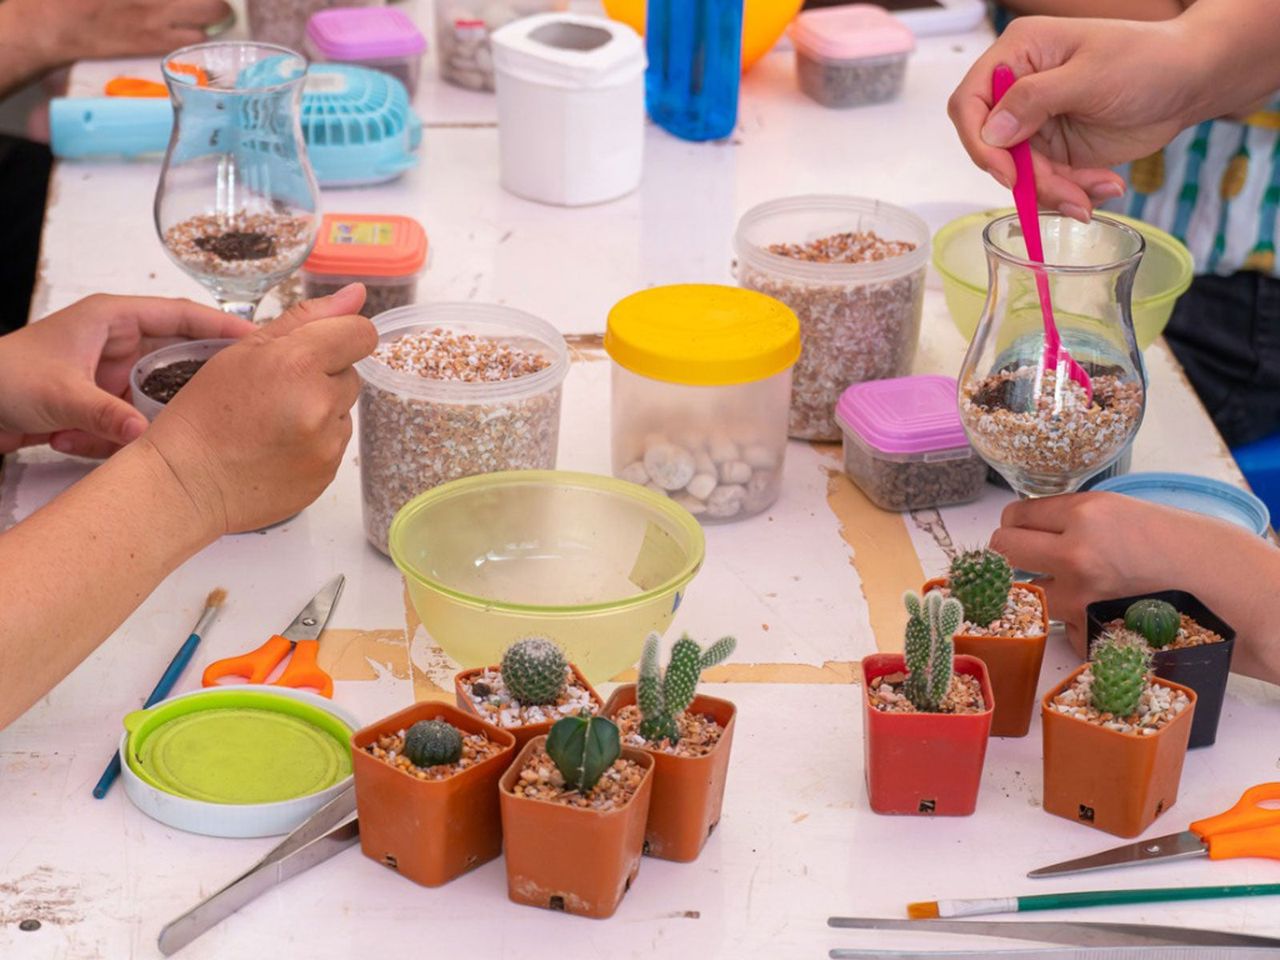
(533, 671)
(1157, 621)
(663, 698)
(1120, 664)
(583, 748)
(981, 581)
(429, 743)
(931, 624)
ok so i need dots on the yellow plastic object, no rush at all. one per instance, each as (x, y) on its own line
(958, 256)
(591, 562)
(703, 335)
(763, 22)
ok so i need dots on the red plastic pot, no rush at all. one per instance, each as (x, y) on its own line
(522, 734)
(924, 763)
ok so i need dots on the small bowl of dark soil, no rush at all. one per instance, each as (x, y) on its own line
(157, 377)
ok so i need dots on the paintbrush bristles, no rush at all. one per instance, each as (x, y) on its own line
(923, 911)
(216, 598)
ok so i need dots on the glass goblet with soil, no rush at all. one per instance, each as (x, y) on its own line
(236, 206)
(1037, 427)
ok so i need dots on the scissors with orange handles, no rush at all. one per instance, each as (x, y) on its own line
(1249, 829)
(301, 638)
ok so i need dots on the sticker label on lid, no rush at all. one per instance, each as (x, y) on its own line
(323, 82)
(363, 232)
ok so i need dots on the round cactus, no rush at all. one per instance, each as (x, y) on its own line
(533, 671)
(1119, 664)
(1156, 620)
(981, 581)
(429, 743)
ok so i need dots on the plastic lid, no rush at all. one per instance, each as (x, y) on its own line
(1213, 498)
(568, 50)
(364, 33)
(906, 415)
(368, 244)
(703, 335)
(854, 32)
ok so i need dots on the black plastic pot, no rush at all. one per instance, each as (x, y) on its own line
(1204, 668)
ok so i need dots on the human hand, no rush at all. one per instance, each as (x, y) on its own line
(259, 431)
(73, 30)
(62, 378)
(1090, 94)
(1103, 546)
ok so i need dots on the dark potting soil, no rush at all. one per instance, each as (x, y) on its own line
(238, 245)
(163, 383)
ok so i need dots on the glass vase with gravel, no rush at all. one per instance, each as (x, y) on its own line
(853, 270)
(237, 201)
(1039, 429)
(454, 390)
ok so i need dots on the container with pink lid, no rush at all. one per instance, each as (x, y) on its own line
(380, 38)
(852, 55)
(904, 444)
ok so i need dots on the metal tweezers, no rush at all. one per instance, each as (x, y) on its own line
(1076, 941)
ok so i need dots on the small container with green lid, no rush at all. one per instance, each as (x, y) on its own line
(701, 393)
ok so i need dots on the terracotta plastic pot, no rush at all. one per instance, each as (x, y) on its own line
(522, 734)
(1117, 782)
(571, 859)
(429, 830)
(924, 763)
(1013, 664)
(1204, 669)
(687, 791)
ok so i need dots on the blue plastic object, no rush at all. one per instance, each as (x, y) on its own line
(1186, 491)
(1260, 463)
(83, 128)
(695, 63)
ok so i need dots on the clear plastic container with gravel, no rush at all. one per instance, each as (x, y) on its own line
(380, 38)
(454, 390)
(463, 28)
(849, 56)
(700, 391)
(285, 21)
(384, 252)
(904, 444)
(853, 270)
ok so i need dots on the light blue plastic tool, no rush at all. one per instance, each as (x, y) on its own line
(1198, 494)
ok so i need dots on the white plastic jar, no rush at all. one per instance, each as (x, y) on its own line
(701, 386)
(570, 108)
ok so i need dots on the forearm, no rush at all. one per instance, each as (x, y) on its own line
(24, 54)
(1234, 51)
(75, 569)
(1107, 9)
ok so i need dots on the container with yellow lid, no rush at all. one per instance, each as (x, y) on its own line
(701, 391)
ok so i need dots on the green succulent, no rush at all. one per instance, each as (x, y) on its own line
(429, 743)
(1157, 621)
(1120, 662)
(981, 581)
(662, 698)
(583, 748)
(533, 671)
(931, 625)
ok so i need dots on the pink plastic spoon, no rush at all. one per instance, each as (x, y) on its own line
(1024, 198)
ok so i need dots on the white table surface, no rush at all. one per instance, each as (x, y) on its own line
(808, 588)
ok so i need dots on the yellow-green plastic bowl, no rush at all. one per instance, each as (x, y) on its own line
(958, 256)
(591, 562)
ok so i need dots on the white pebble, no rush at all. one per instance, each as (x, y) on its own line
(702, 460)
(760, 457)
(669, 466)
(735, 471)
(702, 485)
(726, 501)
(635, 473)
(692, 504)
(723, 450)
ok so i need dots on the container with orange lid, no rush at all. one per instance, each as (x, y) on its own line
(384, 252)
(701, 392)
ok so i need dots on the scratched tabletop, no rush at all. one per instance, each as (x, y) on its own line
(808, 588)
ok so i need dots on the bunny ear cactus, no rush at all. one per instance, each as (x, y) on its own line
(583, 748)
(1119, 664)
(1157, 621)
(663, 698)
(931, 625)
(981, 581)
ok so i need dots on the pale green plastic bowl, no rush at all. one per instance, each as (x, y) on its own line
(958, 256)
(592, 562)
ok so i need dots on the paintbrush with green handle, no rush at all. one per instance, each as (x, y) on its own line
(933, 909)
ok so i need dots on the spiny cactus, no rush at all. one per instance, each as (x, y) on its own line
(1156, 620)
(533, 671)
(931, 624)
(981, 581)
(1119, 664)
(583, 748)
(663, 698)
(429, 743)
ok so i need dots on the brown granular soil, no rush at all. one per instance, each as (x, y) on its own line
(540, 780)
(441, 355)
(1023, 616)
(699, 733)
(964, 696)
(1157, 707)
(854, 246)
(238, 245)
(476, 748)
(1190, 634)
(163, 383)
(241, 245)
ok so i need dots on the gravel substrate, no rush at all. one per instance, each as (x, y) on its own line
(489, 694)
(964, 696)
(1190, 634)
(699, 734)
(540, 780)
(1157, 707)
(1023, 617)
(244, 245)
(476, 748)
